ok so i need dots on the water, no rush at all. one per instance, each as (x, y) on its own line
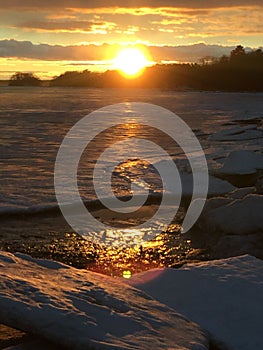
(34, 122)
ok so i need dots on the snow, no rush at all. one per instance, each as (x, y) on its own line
(241, 217)
(81, 309)
(224, 296)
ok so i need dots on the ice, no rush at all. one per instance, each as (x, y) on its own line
(242, 162)
(240, 217)
(35, 345)
(237, 133)
(216, 186)
(241, 192)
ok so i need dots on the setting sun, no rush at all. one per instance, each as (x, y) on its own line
(130, 61)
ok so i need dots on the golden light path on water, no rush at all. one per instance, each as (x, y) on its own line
(165, 250)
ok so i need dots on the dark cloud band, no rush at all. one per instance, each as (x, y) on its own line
(26, 49)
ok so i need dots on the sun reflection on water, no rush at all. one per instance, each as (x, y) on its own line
(167, 249)
(126, 274)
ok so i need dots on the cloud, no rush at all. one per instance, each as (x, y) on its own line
(91, 52)
(67, 26)
(193, 4)
(28, 50)
(156, 25)
(189, 53)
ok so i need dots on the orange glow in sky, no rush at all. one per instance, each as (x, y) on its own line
(51, 37)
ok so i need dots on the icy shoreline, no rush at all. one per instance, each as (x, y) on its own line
(62, 304)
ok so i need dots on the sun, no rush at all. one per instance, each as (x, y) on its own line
(130, 62)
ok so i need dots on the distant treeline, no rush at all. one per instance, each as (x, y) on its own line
(241, 71)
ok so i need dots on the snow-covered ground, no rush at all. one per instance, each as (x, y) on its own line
(81, 309)
(78, 309)
(225, 297)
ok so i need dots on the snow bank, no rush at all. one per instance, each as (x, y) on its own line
(224, 296)
(80, 309)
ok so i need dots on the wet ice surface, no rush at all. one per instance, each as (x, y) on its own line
(34, 122)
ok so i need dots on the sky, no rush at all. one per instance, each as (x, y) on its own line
(53, 36)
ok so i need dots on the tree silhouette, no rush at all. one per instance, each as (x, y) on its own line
(24, 79)
(238, 52)
(78, 79)
(240, 71)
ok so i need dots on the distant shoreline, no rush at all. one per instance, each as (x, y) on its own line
(239, 72)
(45, 83)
